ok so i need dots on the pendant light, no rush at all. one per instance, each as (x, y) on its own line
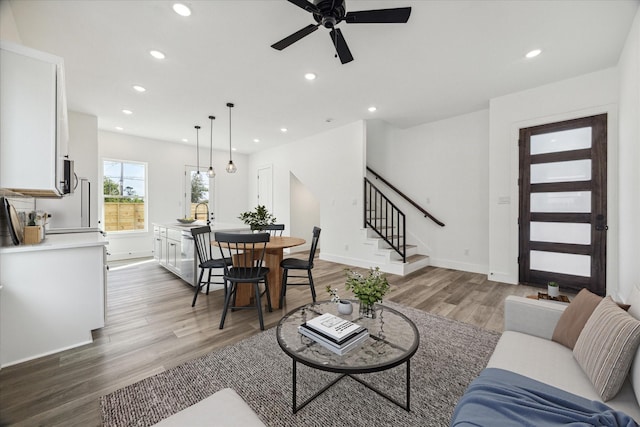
(211, 172)
(197, 149)
(231, 168)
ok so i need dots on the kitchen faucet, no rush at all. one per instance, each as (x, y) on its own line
(195, 213)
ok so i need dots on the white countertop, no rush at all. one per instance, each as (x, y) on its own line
(60, 241)
(216, 226)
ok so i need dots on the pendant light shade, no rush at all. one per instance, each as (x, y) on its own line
(197, 149)
(231, 168)
(211, 172)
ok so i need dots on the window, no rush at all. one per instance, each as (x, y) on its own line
(199, 194)
(124, 189)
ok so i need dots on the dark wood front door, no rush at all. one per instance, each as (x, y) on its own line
(563, 204)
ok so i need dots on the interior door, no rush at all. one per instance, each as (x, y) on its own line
(563, 204)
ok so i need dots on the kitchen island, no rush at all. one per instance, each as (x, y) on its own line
(173, 247)
(53, 295)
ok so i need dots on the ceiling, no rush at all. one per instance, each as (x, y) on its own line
(451, 58)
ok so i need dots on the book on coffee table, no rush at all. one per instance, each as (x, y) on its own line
(339, 349)
(333, 328)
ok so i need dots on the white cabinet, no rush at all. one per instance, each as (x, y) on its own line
(53, 296)
(33, 121)
(173, 261)
(159, 244)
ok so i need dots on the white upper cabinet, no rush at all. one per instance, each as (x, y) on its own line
(33, 121)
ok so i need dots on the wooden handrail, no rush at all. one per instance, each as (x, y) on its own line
(400, 193)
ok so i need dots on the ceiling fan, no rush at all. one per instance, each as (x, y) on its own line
(330, 13)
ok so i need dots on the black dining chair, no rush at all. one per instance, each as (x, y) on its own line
(247, 253)
(202, 241)
(300, 264)
(272, 229)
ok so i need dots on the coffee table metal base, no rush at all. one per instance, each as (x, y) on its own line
(406, 406)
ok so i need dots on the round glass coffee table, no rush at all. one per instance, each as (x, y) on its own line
(393, 340)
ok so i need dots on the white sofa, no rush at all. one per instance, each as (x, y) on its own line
(526, 348)
(225, 408)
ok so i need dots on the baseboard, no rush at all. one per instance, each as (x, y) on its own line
(127, 255)
(460, 266)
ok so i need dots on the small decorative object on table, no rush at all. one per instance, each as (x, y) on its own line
(344, 306)
(553, 289)
(258, 219)
(186, 220)
(368, 289)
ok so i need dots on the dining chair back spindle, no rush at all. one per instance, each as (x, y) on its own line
(247, 252)
(300, 264)
(207, 261)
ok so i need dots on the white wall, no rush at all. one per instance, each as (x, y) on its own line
(83, 150)
(166, 163)
(629, 170)
(305, 213)
(443, 167)
(331, 166)
(582, 96)
(8, 28)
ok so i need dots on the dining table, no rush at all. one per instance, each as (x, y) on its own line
(274, 255)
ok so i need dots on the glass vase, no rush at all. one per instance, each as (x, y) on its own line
(367, 310)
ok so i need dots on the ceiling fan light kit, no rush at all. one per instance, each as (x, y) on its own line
(330, 13)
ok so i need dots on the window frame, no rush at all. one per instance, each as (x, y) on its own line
(145, 198)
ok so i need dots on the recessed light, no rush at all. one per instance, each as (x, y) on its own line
(139, 88)
(372, 109)
(119, 128)
(283, 130)
(181, 9)
(128, 112)
(234, 149)
(185, 140)
(157, 54)
(533, 53)
(310, 76)
(256, 140)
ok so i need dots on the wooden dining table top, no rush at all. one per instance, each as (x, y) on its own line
(279, 242)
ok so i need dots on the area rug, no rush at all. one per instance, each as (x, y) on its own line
(450, 356)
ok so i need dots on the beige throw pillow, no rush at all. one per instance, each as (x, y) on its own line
(606, 347)
(574, 318)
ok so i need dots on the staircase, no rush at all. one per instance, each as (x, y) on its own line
(385, 228)
(388, 258)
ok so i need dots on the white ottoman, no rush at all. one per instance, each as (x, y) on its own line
(225, 408)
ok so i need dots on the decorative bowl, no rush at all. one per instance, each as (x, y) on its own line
(186, 220)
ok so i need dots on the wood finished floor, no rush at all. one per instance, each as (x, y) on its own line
(152, 327)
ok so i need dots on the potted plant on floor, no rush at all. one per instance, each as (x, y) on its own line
(553, 289)
(368, 289)
(258, 219)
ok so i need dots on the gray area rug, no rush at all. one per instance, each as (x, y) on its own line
(450, 356)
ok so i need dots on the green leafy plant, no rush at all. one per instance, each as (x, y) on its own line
(553, 284)
(368, 289)
(258, 219)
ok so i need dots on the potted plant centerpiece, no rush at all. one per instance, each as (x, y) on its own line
(258, 219)
(368, 289)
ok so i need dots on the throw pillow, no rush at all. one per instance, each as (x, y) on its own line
(575, 316)
(606, 347)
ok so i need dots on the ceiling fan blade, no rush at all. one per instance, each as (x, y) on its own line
(289, 40)
(341, 45)
(398, 15)
(304, 4)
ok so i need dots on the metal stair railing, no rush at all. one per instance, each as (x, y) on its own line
(383, 217)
